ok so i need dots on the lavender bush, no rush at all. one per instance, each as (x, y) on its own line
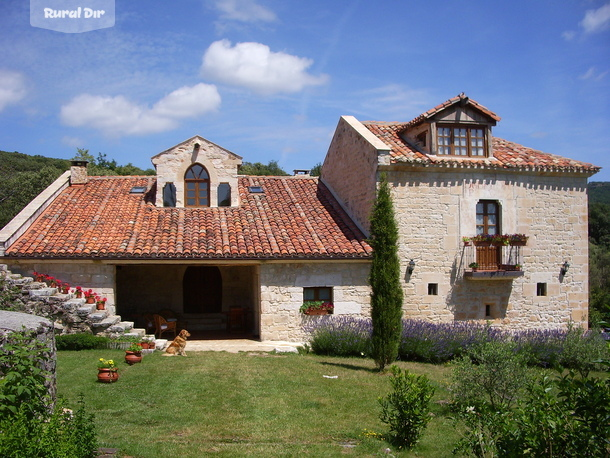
(441, 342)
(341, 335)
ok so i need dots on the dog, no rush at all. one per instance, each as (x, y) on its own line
(178, 344)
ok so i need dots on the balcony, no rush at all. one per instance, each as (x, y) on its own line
(493, 262)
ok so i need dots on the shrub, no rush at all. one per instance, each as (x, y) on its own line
(341, 336)
(406, 409)
(22, 377)
(573, 348)
(440, 342)
(62, 433)
(30, 425)
(566, 416)
(81, 341)
(492, 373)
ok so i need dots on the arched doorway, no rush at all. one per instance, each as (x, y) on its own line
(202, 287)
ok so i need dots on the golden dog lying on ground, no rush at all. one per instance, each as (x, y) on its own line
(178, 345)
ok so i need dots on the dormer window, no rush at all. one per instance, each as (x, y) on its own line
(461, 141)
(197, 186)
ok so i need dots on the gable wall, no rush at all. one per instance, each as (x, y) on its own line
(220, 164)
(350, 172)
(435, 210)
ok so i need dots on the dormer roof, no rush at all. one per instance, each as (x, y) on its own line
(196, 139)
(504, 154)
(461, 100)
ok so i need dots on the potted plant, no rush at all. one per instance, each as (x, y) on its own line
(89, 296)
(518, 239)
(466, 241)
(499, 240)
(100, 303)
(482, 239)
(78, 291)
(133, 354)
(65, 288)
(474, 266)
(517, 266)
(316, 308)
(107, 372)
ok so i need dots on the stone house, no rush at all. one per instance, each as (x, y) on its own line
(202, 240)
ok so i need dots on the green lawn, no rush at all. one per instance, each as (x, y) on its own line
(246, 404)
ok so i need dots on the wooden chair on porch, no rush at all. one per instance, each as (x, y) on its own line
(162, 325)
(149, 322)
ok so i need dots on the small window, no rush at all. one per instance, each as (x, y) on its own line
(540, 289)
(421, 139)
(323, 293)
(432, 289)
(138, 190)
(255, 189)
(169, 195)
(224, 195)
(487, 310)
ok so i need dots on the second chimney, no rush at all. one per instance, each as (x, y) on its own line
(78, 172)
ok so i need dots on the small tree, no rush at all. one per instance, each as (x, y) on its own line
(386, 297)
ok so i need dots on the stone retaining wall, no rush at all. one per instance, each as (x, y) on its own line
(68, 314)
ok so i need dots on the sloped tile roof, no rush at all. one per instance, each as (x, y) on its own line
(506, 155)
(461, 98)
(295, 218)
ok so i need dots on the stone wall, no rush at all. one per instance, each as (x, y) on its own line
(222, 165)
(67, 313)
(282, 294)
(435, 210)
(88, 275)
(354, 153)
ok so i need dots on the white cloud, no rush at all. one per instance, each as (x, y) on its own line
(596, 20)
(593, 74)
(394, 100)
(12, 88)
(256, 67)
(117, 116)
(74, 142)
(244, 11)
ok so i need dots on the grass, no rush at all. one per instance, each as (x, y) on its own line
(246, 404)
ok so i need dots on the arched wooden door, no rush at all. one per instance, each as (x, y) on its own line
(202, 288)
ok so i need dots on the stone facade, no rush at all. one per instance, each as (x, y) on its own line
(436, 210)
(282, 294)
(221, 165)
(436, 206)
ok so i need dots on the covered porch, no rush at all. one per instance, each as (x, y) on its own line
(213, 302)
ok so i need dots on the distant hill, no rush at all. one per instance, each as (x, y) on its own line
(23, 177)
(19, 162)
(599, 192)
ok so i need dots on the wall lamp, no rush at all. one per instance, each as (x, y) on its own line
(411, 267)
(564, 268)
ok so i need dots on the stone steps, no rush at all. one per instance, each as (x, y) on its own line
(103, 322)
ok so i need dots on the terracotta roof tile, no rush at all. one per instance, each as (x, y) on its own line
(506, 155)
(292, 218)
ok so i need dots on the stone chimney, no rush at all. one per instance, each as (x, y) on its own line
(78, 172)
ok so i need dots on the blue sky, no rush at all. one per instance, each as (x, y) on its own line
(269, 79)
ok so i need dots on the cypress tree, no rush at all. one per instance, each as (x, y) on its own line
(386, 296)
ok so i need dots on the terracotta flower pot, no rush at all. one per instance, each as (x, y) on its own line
(101, 305)
(90, 300)
(107, 375)
(133, 357)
